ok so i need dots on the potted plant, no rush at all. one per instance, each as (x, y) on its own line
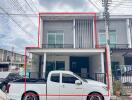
(117, 88)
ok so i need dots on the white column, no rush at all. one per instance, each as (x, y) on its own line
(74, 40)
(41, 32)
(44, 65)
(102, 62)
(128, 33)
(94, 34)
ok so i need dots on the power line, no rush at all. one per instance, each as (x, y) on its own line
(15, 22)
(121, 3)
(15, 4)
(94, 5)
(35, 6)
(29, 5)
(16, 14)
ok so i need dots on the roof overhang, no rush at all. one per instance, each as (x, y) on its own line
(67, 15)
(66, 51)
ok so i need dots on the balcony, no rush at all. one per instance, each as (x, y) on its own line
(57, 46)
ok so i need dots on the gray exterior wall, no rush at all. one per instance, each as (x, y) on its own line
(66, 26)
(119, 25)
(84, 31)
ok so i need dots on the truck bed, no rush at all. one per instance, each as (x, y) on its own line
(30, 80)
(31, 84)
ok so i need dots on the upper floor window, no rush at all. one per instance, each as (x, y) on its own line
(55, 39)
(112, 36)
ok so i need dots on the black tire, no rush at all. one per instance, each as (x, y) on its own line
(30, 96)
(4, 87)
(95, 96)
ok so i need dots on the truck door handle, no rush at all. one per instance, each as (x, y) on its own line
(63, 86)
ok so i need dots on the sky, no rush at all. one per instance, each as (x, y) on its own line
(19, 31)
(12, 36)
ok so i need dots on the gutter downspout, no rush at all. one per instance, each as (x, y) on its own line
(128, 33)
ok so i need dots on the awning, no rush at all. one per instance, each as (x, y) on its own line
(66, 51)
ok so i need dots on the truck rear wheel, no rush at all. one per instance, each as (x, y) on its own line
(30, 96)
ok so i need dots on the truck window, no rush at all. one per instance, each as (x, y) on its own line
(67, 78)
(55, 77)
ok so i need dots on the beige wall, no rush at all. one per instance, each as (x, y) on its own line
(96, 65)
(35, 63)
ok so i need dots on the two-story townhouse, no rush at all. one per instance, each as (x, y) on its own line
(68, 42)
(120, 34)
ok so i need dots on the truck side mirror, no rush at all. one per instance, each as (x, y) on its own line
(78, 82)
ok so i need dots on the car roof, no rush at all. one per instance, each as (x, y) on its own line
(61, 71)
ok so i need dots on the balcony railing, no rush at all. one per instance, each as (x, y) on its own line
(116, 46)
(57, 45)
(119, 45)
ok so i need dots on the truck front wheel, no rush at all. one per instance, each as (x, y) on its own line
(95, 96)
(30, 96)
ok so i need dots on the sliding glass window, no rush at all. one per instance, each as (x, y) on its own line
(55, 39)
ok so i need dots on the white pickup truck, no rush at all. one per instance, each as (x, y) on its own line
(60, 85)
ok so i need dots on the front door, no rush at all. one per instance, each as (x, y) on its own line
(68, 89)
(80, 65)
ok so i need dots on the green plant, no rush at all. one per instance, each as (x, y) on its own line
(116, 86)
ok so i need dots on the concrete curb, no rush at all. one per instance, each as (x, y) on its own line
(113, 98)
(120, 98)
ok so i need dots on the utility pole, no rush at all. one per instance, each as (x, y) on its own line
(106, 15)
(12, 55)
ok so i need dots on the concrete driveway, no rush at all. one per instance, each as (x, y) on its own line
(121, 98)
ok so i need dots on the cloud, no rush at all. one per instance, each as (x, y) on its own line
(50, 4)
(65, 5)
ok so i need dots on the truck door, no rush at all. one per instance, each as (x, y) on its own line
(53, 87)
(68, 89)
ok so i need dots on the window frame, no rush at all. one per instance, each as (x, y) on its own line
(54, 81)
(111, 32)
(101, 33)
(55, 33)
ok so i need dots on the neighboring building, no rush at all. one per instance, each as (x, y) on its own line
(120, 33)
(8, 58)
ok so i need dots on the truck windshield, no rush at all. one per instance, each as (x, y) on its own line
(80, 77)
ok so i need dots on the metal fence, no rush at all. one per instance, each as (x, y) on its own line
(124, 75)
(115, 46)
